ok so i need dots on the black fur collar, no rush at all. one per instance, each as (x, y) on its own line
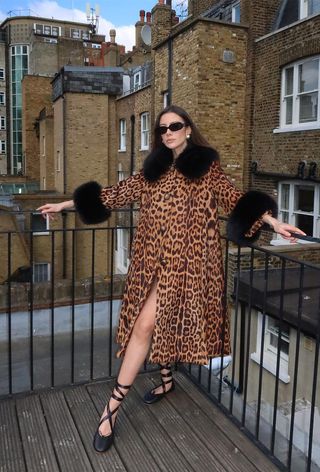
(194, 162)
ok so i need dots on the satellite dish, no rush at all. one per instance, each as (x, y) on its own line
(146, 34)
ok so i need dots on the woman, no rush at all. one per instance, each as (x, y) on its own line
(173, 299)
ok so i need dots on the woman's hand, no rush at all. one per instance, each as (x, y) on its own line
(284, 229)
(49, 209)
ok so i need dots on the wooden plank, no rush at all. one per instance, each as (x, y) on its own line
(185, 437)
(11, 455)
(66, 440)
(154, 435)
(242, 442)
(86, 418)
(128, 443)
(38, 449)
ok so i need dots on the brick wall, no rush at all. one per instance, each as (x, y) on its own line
(259, 16)
(36, 94)
(47, 163)
(272, 53)
(211, 90)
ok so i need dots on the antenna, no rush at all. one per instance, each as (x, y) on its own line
(146, 34)
(93, 17)
(181, 7)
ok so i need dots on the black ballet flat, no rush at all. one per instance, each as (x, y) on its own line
(103, 443)
(151, 397)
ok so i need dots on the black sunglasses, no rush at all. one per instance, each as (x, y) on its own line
(172, 127)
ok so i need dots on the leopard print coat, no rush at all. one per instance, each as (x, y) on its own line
(177, 242)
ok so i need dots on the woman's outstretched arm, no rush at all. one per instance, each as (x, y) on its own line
(50, 208)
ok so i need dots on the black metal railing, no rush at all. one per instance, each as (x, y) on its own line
(60, 295)
(270, 387)
(58, 322)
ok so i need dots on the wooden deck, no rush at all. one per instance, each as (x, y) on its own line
(52, 431)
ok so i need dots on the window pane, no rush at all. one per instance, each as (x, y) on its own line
(308, 107)
(289, 81)
(308, 76)
(305, 223)
(38, 223)
(313, 6)
(285, 190)
(289, 102)
(304, 198)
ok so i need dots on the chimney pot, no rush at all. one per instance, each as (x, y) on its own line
(148, 17)
(175, 20)
(161, 2)
(112, 35)
(142, 13)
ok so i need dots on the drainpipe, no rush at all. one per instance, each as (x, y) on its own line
(132, 165)
(64, 214)
(170, 59)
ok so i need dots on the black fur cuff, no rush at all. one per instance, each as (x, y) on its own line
(249, 208)
(88, 204)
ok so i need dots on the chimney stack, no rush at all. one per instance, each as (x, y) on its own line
(139, 26)
(161, 22)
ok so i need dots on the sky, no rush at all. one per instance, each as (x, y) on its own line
(121, 15)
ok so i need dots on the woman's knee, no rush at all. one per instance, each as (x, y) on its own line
(143, 327)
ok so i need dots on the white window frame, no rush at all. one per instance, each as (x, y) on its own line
(39, 28)
(235, 9)
(122, 252)
(43, 146)
(291, 212)
(3, 123)
(45, 232)
(304, 10)
(58, 161)
(165, 99)
(269, 352)
(145, 131)
(122, 135)
(296, 125)
(2, 98)
(3, 147)
(137, 80)
(2, 73)
(46, 265)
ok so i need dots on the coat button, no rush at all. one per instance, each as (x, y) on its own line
(166, 196)
(162, 229)
(163, 261)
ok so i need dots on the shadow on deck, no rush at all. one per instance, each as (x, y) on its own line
(52, 431)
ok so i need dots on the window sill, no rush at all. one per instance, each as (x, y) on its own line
(41, 233)
(122, 150)
(297, 128)
(270, 366)
(144, 149)
(284, 242)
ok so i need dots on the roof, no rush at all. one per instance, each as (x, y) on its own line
(38, 19)
(268, 298)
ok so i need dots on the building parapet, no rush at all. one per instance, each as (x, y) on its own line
(99, 80)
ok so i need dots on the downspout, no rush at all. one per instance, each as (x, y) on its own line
(170, 60)
(64, 214)
(132, 168)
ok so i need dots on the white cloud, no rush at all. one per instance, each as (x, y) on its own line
(51, 9)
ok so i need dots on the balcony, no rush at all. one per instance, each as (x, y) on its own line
(258, 412)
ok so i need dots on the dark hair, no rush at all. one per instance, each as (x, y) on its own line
(195, 138)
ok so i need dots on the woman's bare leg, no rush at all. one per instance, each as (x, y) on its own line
(136, 351)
